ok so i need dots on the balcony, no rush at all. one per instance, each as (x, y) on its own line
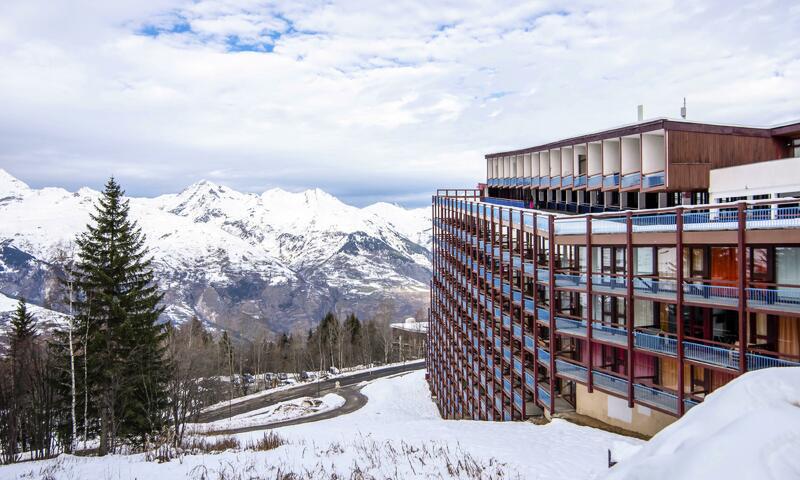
(713, 294)
(566, 181)
(631, 180)
(656, 398)
(544, 181)
(544, 396)
(518, 401)
(543, 356)
(609, 283)
(595, 181)
(580, 181)
(783, 300)
(610, 383)
(611, 181)
(555, 182)
(529, 380)
(571, 370)
(655, 288)
(655, 343)
(652, 180)
(570, 281)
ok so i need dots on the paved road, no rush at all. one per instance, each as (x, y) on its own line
(348, 389)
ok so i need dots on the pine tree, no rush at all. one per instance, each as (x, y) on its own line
(23, 326)
(118, 308)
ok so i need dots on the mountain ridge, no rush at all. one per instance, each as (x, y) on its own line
(253, 263)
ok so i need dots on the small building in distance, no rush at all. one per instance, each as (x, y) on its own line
(408, 338)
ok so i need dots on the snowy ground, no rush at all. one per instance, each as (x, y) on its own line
(398, 434)
(288, 410)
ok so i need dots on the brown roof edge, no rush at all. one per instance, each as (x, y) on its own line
(661, 123)
(789, 130)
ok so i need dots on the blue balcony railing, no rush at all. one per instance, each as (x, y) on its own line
(555, 182)
(566, 181)
(529, 380)
(631, 180)
(517, 400)
(518, 366)
(714, 355)
(652, 180)
(757, 362)
(655, 287)
(543, 355)
(580, 181)
(529, 342)
(656, 398)
(575, 372)
(610, 382)
(608, 283)
(544, 396)
(711, 294)
(610, 181)
(595, 181)
(544, 181)
(786, 299)
(655, 343)
(570, 326)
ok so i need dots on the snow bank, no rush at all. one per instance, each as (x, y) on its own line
(288, 410)
(750, 428)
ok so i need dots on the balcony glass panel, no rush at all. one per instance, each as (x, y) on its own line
(631, 180)
(595, 181)
(566, 181)
(653, 180)
(555, 182)
(610, 181)
(544, 396)
(580, 181)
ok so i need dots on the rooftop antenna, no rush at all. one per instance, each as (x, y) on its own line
(640, 112)
(683, 109)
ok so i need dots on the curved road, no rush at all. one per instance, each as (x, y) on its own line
(348, 389)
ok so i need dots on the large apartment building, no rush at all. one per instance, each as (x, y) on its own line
(634, 313)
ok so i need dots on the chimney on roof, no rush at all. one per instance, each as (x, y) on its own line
(640, 112)
(683, 109)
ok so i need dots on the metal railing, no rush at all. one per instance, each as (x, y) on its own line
(544, 396)
(711, 293)
(567, 369)
(655, 343)
(543, 355)
(774, 299)
(610, 382)
(720, 356)
(655, 286)
(657, 398)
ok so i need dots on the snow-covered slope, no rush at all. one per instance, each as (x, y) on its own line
(748, 429)
(44, 318)
(278, 258)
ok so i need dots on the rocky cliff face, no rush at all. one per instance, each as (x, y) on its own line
(248, 263)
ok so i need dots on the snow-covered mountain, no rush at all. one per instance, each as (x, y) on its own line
(241, 261)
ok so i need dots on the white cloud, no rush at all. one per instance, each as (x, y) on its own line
(359, 97)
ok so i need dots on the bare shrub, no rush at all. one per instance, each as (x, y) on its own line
(269, 441)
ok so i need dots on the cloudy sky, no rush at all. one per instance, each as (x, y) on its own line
(367, 100)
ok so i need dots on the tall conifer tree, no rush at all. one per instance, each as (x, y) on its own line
(118, 308)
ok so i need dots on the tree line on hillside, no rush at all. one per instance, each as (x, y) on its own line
(115, 378)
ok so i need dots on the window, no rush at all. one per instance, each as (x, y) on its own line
(796, 147)
(581, 164)
(643, 261)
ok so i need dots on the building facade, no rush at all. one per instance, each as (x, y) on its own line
(631, 317)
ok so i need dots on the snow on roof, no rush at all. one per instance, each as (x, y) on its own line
(746, 429)
(415, 327)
